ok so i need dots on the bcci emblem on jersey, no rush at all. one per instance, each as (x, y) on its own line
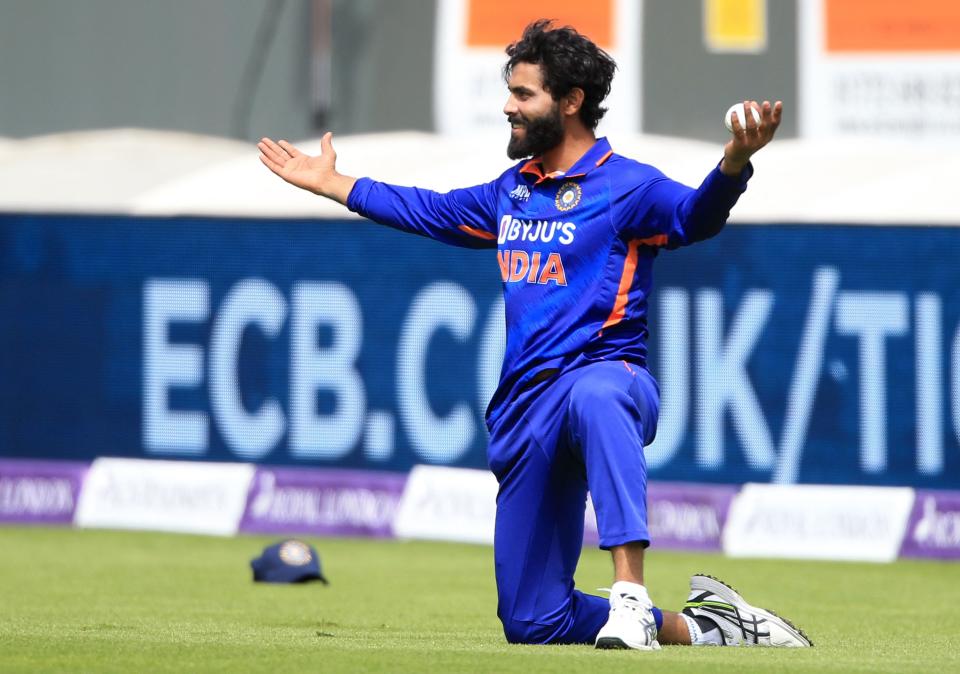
(568, 196)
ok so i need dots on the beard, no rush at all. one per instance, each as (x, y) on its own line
(540, 134)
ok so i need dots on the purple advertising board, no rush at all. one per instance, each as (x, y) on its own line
(322, 502)
(39, 492)
(933, 530)
(687, 516)
(681, 516)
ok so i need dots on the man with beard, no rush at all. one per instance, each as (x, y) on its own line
(577, 229)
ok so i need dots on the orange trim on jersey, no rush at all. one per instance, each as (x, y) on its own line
(626, 279)
(535, 168)
(656, 241)
(479, 233)
(604, 157)
(623, 290)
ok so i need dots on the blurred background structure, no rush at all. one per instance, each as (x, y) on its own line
(295, 67)
(164, 297)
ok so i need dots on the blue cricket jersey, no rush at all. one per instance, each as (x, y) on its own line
(575, 250)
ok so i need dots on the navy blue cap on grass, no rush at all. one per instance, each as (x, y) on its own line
(290, 561)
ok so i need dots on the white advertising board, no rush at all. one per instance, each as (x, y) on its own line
(878, 68)
(818, 522)
(182, 496)
(448, 504)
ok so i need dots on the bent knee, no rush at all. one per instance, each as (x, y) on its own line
(526, 632)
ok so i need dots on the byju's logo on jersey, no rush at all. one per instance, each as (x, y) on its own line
(568, 196)
(520, 193)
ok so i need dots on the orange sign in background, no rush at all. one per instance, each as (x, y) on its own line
(892, 25)
(497, 23)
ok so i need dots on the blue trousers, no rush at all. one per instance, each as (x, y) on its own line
(583, 430)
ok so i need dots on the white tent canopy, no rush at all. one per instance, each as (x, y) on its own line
(131, 171)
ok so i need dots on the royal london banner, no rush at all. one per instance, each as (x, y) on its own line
(792, 353)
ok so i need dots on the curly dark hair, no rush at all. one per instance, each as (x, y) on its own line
(569, 60)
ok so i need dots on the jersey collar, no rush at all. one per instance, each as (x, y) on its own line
(598, 153)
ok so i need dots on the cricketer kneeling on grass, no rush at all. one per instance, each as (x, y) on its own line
(577, 228)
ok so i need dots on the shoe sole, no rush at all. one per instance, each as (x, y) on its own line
(615, 643)
(719, 588)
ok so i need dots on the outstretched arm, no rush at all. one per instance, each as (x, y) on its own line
(461, 217)
(314, 174)
(750, 138)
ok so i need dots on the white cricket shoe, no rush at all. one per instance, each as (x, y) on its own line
(631, 623)
(740, 623)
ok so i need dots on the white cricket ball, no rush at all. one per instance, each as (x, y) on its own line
(741, 116)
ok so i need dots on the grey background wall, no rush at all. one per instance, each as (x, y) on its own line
(382, 65)
(175, 64)
(686, 89)
(186, 64)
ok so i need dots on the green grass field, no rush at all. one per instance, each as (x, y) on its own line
(85, 601)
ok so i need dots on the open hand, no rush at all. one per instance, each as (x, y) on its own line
(317, 174)
(748, 136)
